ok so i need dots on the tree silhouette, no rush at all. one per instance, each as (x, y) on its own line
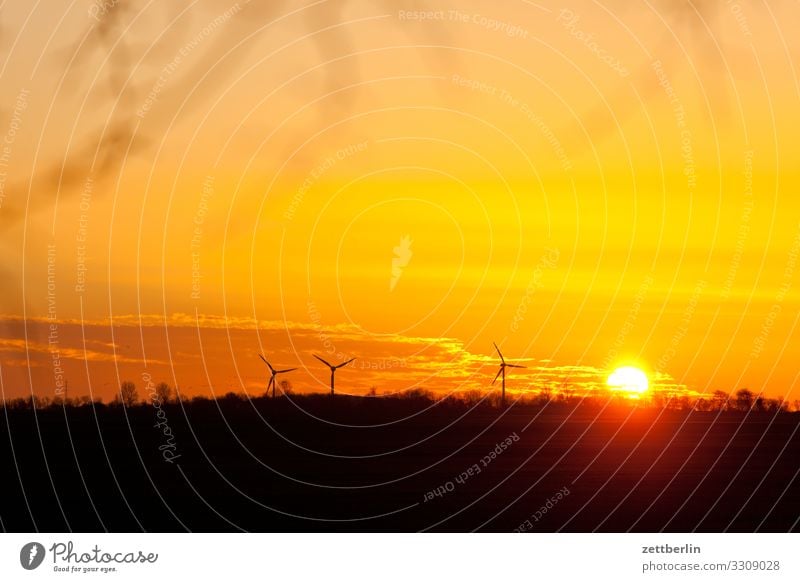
(163, 392)
(128, 394)
(777, 404)
(703, 405)
(719, 400)
(744, 400)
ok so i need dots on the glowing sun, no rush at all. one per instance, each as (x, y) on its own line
(629, 379)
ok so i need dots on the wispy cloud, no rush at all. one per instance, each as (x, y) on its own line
(18, 346)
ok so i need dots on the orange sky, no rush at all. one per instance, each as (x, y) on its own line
(588, 186)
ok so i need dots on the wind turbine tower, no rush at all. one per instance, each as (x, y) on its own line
(274, 373)
(502, 372)
(333, 369)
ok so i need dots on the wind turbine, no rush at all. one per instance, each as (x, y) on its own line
(502, 372)
(333, 368)
(272, 381)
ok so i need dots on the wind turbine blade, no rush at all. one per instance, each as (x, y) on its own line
(500, 371)
(515, 366)
(499, 353)
(321, 360)
(266, 362)
(271, 382)
(284, 371)
(345, 363)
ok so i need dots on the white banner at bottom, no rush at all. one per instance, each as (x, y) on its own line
(401, 557)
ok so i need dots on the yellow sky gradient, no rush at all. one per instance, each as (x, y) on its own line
(261, 164)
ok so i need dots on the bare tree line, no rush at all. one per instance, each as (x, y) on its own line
(740, 401)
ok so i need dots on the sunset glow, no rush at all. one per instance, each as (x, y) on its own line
(629, 379)
(405, 202)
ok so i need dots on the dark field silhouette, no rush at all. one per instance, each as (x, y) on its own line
(316, 463)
